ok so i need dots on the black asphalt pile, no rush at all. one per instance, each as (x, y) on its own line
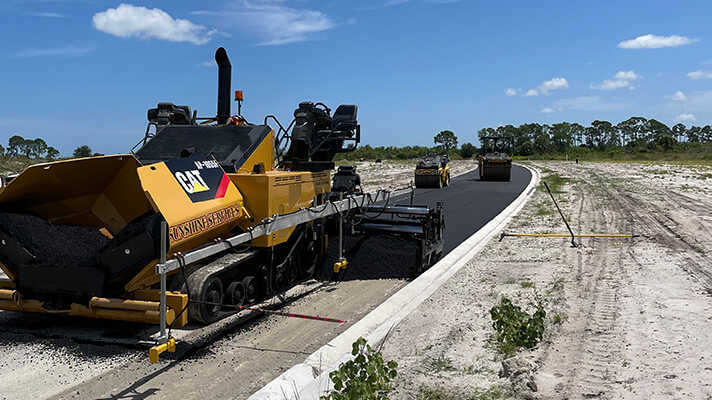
(379, 256)
(54, 244)
(137, 226)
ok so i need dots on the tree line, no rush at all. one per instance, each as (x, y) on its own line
(634, 135)
(30, 148)
(17, 146)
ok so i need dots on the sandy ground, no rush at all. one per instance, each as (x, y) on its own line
(626, 318)
(392, 175)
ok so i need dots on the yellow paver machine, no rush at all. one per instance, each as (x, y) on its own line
(201, 215)
(432, 171)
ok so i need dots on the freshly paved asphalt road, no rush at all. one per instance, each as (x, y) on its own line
(470, 203)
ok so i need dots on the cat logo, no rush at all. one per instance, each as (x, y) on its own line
(191, 181)
(201, 179)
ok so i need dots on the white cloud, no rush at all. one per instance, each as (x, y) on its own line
(700, 74)
(679, 96)
(620, 80)
(547, 86)
(67, 51)
(210, 63)
(275, 23)
(128, 20)
(554, 84)
(588, 103)
(684, 117)
(510, 92)
(45, 15)
(547, 110)
(655, 42)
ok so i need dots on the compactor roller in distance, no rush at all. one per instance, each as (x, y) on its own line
(432, 171)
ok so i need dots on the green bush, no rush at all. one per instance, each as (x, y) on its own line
(515, 328)
(366, 377)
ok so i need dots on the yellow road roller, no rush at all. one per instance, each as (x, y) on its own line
(495, 164)
(432, 171)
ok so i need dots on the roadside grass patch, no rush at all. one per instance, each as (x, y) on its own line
(526, 284)
(555, 182)
(493, 393)
(515, 328)
(440, 364)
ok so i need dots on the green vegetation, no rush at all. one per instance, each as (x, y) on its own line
(526, 284)
(467, 150)
(515, 328)
(17, 146)
(446, 140)
(439, 364)
(603, 139)
(82, 151)
(492, 393)
(555, 182)
(365, 377)
(635, 139)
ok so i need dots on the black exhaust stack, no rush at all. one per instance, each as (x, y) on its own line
(224, 75)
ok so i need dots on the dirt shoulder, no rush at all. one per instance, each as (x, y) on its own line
(625, 318)
(392, 175)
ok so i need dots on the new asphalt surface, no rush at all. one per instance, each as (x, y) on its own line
(470, 203)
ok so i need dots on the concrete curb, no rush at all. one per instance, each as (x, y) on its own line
(310, 379)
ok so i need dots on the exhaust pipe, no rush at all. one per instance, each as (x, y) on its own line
(224, 75)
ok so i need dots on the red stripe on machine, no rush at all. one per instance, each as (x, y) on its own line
(222, 188)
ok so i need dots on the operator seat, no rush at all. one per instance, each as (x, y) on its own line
(344, 119)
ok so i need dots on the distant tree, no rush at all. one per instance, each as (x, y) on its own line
(604, 134)
(658, 130)
(52, 153)
(561, 136)
(706, 134)
(26, 146)
(632, 128)
(2, 150)
(694, 134)
(446, 140)
(541, 143)
(37, 147)
(13, 145)
(577, 131)
(82, 151)
(467, 150)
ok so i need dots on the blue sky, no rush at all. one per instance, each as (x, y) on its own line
(85, 72)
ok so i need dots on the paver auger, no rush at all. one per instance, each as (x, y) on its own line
(202, 214)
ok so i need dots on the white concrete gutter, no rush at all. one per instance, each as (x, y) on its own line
(310, 380)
